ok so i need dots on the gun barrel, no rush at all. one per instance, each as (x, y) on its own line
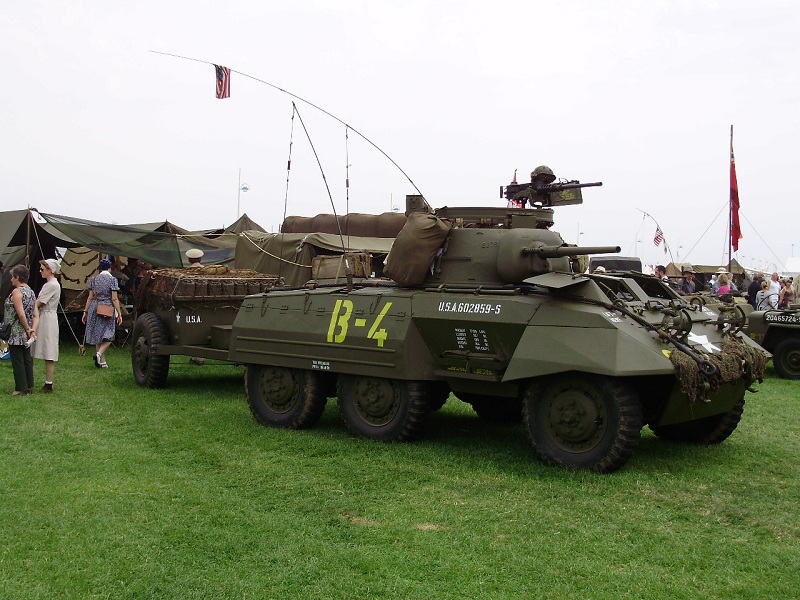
(572, 185)
(559, 251)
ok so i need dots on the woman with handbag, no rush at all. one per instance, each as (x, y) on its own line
(21, 312)
(102, 312)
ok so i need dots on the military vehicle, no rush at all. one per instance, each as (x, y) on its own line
(778, 331)
(485, 303)
(187, 312)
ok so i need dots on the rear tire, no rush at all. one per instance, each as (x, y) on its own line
(150, 369)
(282, 397)
(711, 430)
(786, 359)
(388, 410)
(583, 421)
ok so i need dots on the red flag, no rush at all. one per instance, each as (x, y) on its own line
(223, 82)
(736, 230)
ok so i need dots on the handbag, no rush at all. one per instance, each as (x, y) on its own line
(105, 310)
(5, 331)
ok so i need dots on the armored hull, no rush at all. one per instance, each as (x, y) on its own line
(501, 321)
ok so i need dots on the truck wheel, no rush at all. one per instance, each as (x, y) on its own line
(495, 409)
(149, 368)
(710, 430)
(282, 397)
(382, 409)
(786, 359)
(583, 422)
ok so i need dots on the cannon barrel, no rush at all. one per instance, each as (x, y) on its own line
(558, 251)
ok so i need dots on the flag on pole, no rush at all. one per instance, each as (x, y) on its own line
(223, 82)
(736, 230)
(658, 237)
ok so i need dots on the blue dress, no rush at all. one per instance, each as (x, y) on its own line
(100, 329)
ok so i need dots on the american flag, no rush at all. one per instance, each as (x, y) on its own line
(223, 82)
(658, 237)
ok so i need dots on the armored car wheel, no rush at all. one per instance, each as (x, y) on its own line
(281, 397)
(786, 359)
(583, 421)
(149, 368)
(495, 409)
(710, 430)
(382, 409)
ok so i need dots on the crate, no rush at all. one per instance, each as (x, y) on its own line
(326, 266)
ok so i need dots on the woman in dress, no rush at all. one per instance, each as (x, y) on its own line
(20, 310)
(46, 346)
(786, 296)
(100, 330)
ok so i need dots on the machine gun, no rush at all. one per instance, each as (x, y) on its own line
(546, 194)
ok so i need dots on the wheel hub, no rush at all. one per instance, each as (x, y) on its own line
(141, 352)
(277, 388)
(575, 420)
(377, 400)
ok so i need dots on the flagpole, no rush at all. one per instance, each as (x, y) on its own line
(730, 214)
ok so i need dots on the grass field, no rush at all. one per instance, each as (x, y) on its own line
(112, 491)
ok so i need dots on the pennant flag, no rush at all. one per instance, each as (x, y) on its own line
(736, 230)
(515, 177)
(658, 237)
(223, 82)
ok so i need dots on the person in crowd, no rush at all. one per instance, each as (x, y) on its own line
(131, 271)
(786, 296)
(723, 284)
(4, 354)
(764, 299)
(728, 282)
(754, 288)
(195, 256)
(687, 285)
(21, 312)
(661, 273)
(46, 346)
(775, 285)
(100, 329)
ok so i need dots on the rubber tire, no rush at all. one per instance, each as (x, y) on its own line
(710, 430)
(608, 439)
(283, 397)
(786, 358)
(363, 406)
(495, 409)
(150, 369)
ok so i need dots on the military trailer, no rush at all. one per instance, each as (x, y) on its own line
(187, 312)
(486, 304)
(778, 331)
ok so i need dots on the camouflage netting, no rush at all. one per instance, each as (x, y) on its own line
(737, 360)
(166, 288)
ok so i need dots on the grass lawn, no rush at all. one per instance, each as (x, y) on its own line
(113, 491)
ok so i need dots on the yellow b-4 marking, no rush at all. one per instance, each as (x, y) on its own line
(340, 323)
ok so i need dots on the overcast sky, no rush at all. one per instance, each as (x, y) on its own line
(638, 95)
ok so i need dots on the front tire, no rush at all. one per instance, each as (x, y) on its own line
(282, 397)
(710, 430)
(388, 410)
(583, 421)
(150, 369)
(786, 359)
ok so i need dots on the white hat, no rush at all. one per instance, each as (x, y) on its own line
(52, 264)
(194, 253)
(600, 269)
(722, 270)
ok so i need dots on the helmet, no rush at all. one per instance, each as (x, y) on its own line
(543, 173)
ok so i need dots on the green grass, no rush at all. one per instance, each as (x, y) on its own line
(108, 490)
